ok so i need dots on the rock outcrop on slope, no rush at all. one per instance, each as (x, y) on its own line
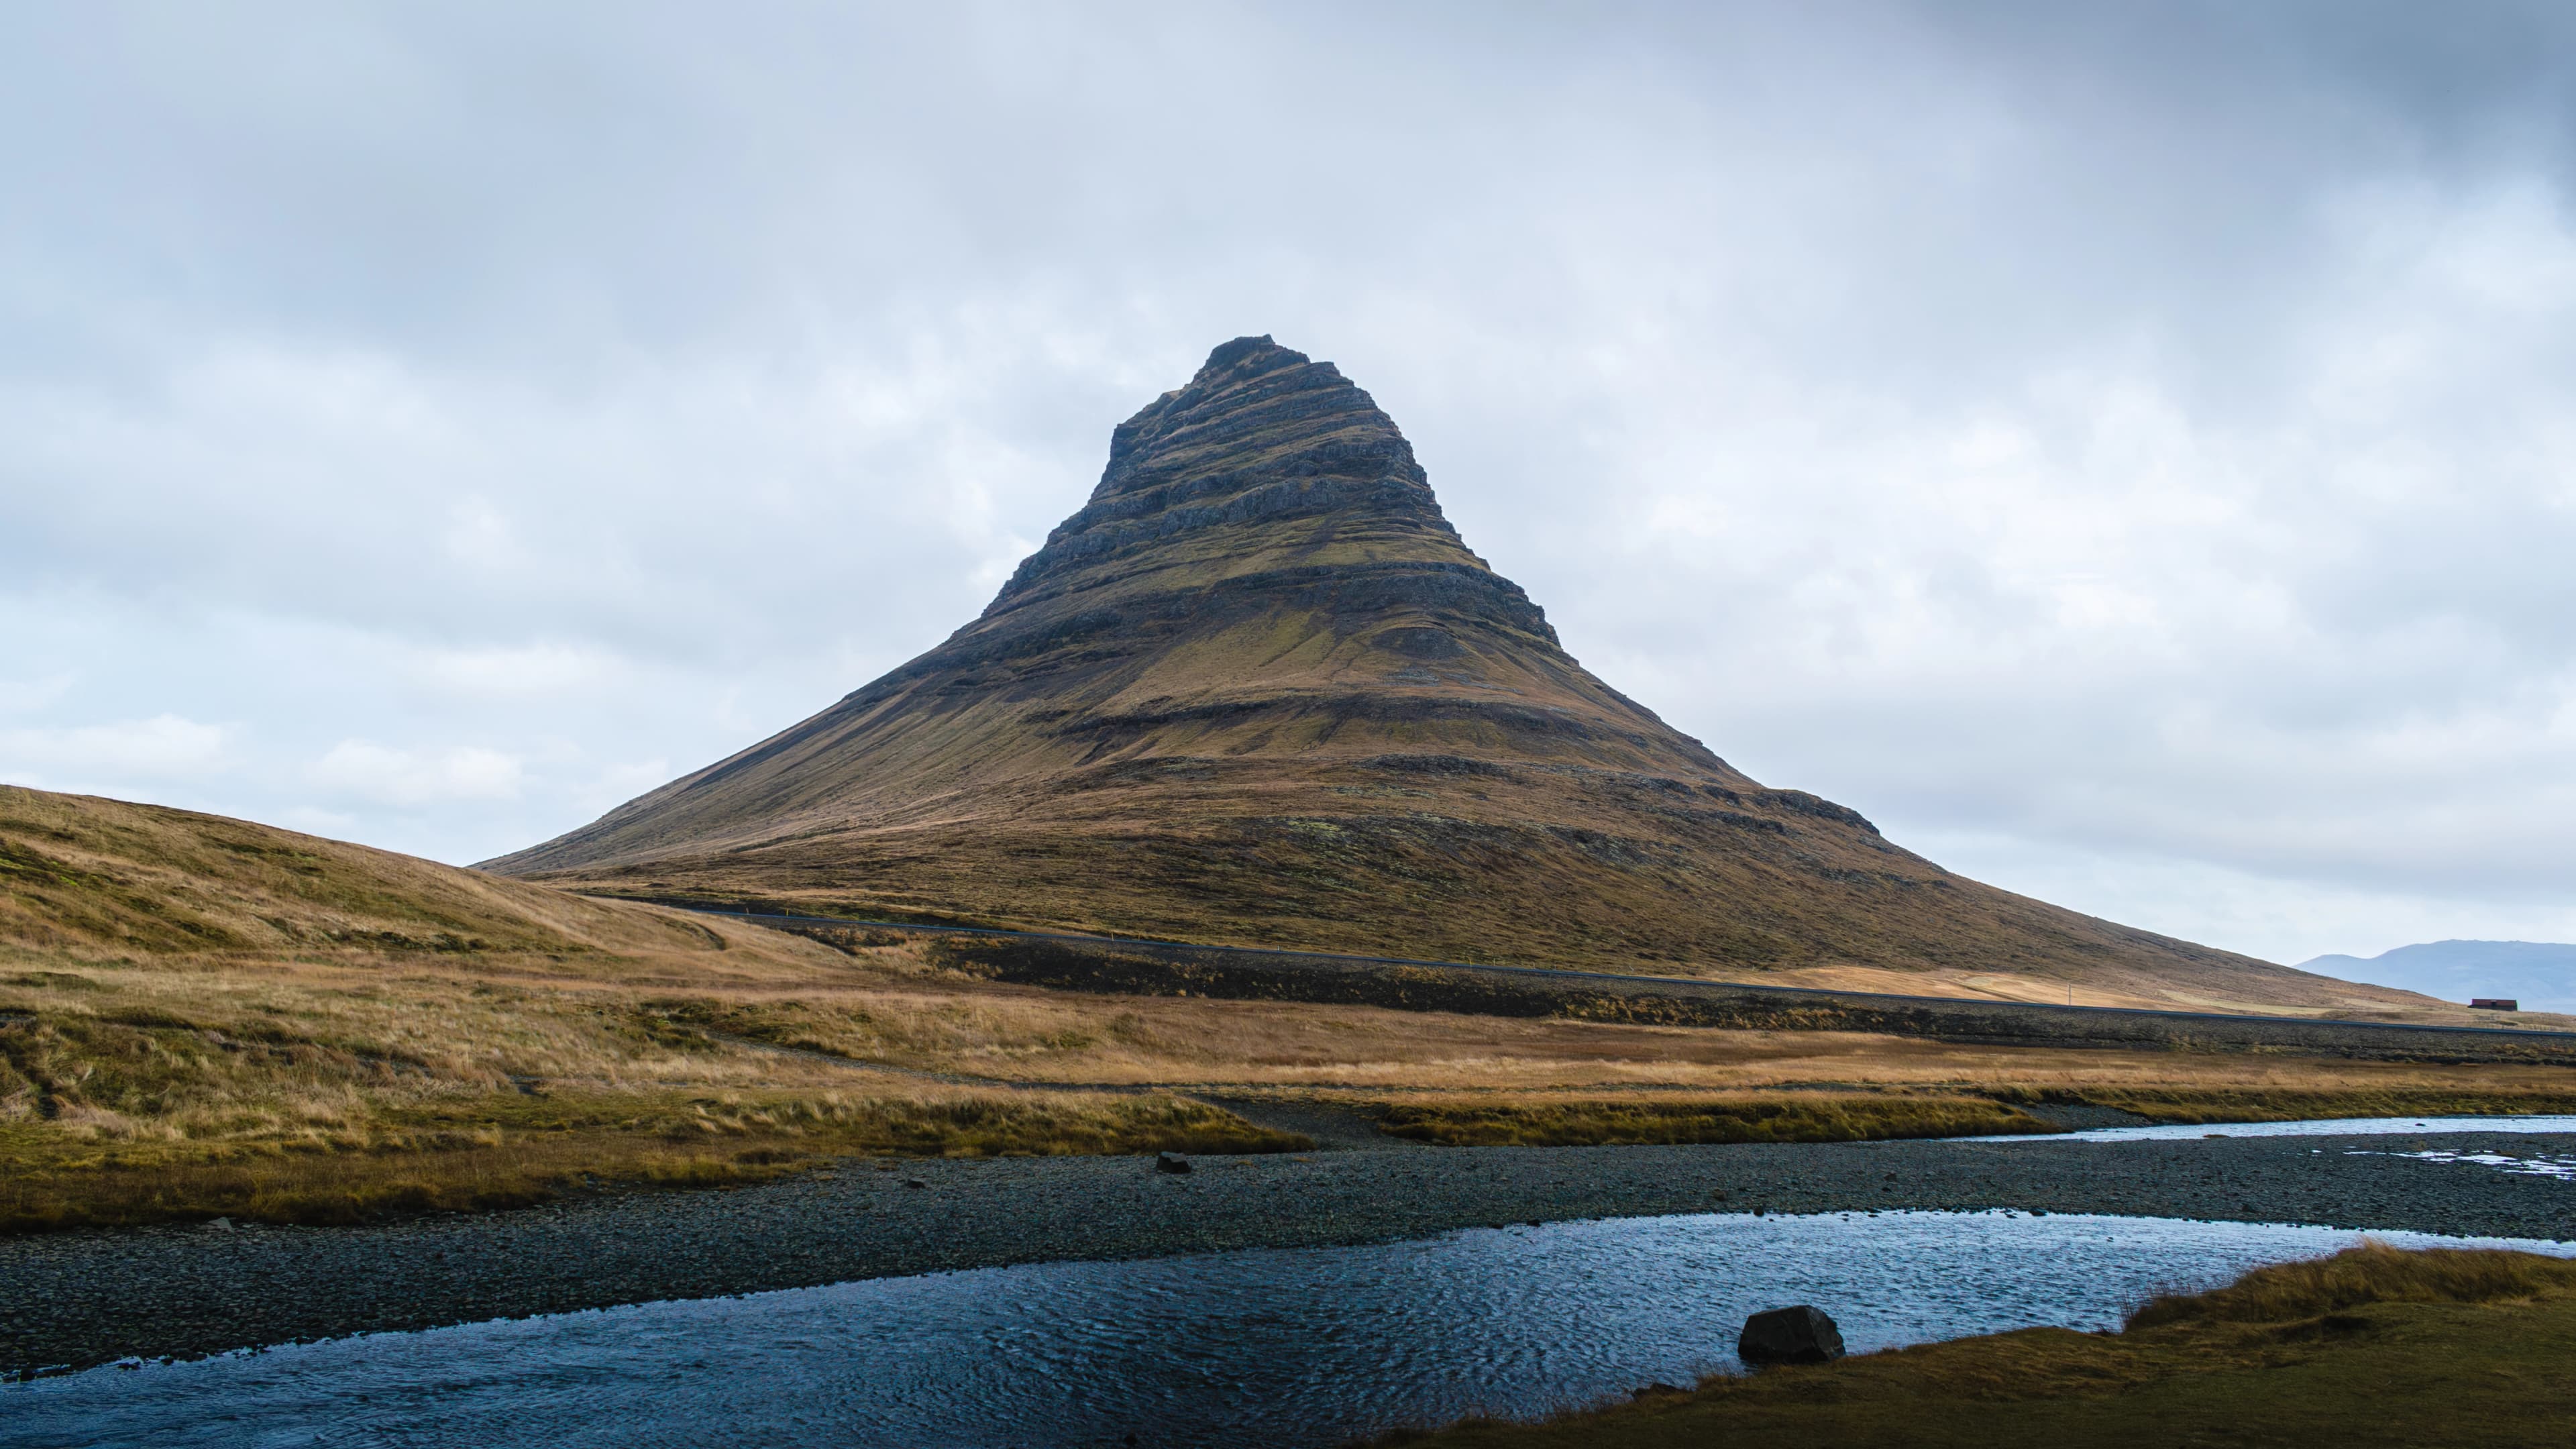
(1257, 690)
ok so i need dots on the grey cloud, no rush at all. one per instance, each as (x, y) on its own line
(2119, 434)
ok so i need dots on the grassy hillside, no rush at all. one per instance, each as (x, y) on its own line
(102, 879)
(1258, 691)
(2370, 1347)
(201, 1016)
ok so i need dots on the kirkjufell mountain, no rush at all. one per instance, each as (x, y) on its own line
(1258, 691)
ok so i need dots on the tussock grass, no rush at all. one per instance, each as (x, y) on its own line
(2373, 1346)
(512, 1152)
(2371, 1273)
(1803, 1118)
(925, 1031)
(326, 1071)
(2501, 1096)
(333, 1090)
(913, 1014)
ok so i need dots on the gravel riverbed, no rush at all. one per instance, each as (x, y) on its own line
(78, 1299)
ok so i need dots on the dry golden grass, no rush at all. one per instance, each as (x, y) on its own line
(1816, 1118)
(910, 1014)
(89, 879)
(312, 1051)
(494, 1153)
(2262, 997)
(307, 1090)
(2370, 1347)
(200, 1015)
(2374, 1272)
(183, 1080)
(2289, 1096)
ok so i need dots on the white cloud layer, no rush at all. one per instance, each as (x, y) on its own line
(164, 747)
(2125, 451)
(383, 776)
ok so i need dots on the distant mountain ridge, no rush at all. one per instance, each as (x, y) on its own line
(2539, 974)
(1257, 690)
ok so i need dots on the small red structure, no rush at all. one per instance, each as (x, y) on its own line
(2495, 1003)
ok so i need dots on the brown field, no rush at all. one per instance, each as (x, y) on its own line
(478, 1154)
(201, 1016)
(1819, 1118)
(2370, 1347)
(899, 1007)
(317, 1090)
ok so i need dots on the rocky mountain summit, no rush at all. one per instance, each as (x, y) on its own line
(1257, 690)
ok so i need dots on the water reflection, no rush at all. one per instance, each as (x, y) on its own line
(1293, 1347)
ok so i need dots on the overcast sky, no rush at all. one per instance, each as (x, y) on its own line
(2128, 451)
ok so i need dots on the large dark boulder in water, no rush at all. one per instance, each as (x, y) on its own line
(1789, 1335)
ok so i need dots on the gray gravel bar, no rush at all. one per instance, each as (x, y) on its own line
(79, 1299)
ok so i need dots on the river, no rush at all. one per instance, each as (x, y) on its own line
(1291, 1347)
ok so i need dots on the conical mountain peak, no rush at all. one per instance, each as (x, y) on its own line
(1257, 689)
(1247, 386)
(1262, 572)
(1266, 453)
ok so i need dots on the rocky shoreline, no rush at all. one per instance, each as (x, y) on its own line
(79, 1299)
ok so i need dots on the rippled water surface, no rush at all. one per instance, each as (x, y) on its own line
(1288, 1347)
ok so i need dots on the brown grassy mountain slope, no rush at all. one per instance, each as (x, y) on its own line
(203, 1016)
(86, 879)
(1258, 691)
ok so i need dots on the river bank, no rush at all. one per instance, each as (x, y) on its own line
(85, 1298)
(2374, 1346)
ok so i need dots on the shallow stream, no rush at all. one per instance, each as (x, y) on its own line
(1286, 1347)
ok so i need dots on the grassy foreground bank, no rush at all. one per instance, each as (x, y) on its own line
(492, 1153)
(2190, 1105)
(2373, 1346)
(1823, 1116)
